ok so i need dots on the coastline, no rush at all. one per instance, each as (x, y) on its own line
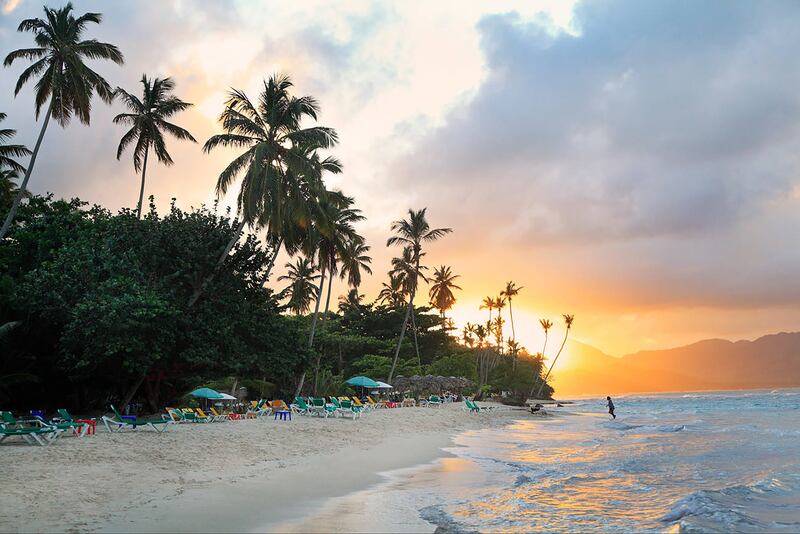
(220, 477)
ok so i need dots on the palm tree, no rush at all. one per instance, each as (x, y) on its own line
(67, 84)
(441, 292)
(350, 302)
(301, 289)
(488, 304)
(392, 293)
(509, 292)
(281, 169)
(496, 327)
(9, 167)
(547, 324)
(412, 232)
(568, 322)
(147, 119)
(405, 269)
(354, 259)
(466, 334)
(499, 304)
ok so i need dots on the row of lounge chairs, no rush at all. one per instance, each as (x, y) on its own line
(37, 430)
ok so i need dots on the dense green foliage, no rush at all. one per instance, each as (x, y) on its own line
(102, 300)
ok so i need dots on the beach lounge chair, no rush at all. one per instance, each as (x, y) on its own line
(346, 408)
(409, 403)
(434, 401)
(471, 406)
(65, 422)
(226, 415)
(210, 418)
(118, 422)
(364, 407)
(257, 409)
(278, 406)
(32, 431)
(322, 408)
(300, 407)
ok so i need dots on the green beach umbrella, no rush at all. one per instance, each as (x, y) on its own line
(206, 393)
(362, 381)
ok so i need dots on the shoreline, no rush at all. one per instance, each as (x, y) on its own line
(221, 477)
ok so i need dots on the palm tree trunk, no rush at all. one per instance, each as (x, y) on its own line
(409, 310)
(416, 343)
(207, 280)
(327, 303)
(141, 189)
(511, 313)
(22, 188)
(566, 334)
(274, 257)
(313, 327)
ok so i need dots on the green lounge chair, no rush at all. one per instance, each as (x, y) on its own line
(322, 408)
(66, 422)
(472, 407)
(33, 435)
(348, 408)
(120, 422)
(300, 407)
(434, 400)
(262, 408)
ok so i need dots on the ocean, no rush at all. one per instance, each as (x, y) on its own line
(696, 462)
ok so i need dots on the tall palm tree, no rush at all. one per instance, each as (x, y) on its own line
(405, 269)
(148, 121)
(488, 304)
(568, 319)
(441, 292)
(412, 232)
(280, 167)
(547, 324)
(301, 289)
(467, 333)
(350, 302)
(511, 290)
(354, 259)
(392, 293)
(66, 84)
(499, 304)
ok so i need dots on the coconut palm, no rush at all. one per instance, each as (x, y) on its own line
(280, 167)
(441, 292)
(354, 259)
(8, 153)
(496, 328)
(547, 324)
(499, 304)
(148, 121)
(568, 319)
(488, 304)
(66, 84)
(412, 232)
(511, 290)
(405, 269)
(301, 289)
(466, 334)
(392, 293)
(350, 302)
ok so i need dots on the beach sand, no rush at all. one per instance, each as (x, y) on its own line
(235, 476)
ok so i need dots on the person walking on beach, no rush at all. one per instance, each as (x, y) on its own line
(611, 407)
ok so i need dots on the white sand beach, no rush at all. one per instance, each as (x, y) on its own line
(233, 476)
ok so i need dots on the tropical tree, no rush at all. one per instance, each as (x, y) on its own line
(488, 304)
(354, 259)
(568, 319)
(441, 291)
(66, 84)
(511, 290)
(499, 304)
(467, 333)
(9, 167)
(547, 324)
(302, 289)
(280, 167)
(351, 301)
(412, 232)
(392, 293)
(148, 121)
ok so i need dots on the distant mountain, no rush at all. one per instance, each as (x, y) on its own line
(767, 362)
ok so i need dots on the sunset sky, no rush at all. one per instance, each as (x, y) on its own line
(636, 164)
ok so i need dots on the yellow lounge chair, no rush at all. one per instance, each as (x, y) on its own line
(213, 418)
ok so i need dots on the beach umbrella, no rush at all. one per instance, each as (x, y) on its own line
(362, 381)
(206, 393)
(383, 385)
(225, 396)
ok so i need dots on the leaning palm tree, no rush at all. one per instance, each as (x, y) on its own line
(511, 290)
(301, 289)
(280, 160)
(66, 85)
(441, 291)
(392, 293)
(488, 304)
(148, 121)
(412, 232)
(568, 322)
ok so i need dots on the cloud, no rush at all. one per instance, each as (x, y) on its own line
(9, 6)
